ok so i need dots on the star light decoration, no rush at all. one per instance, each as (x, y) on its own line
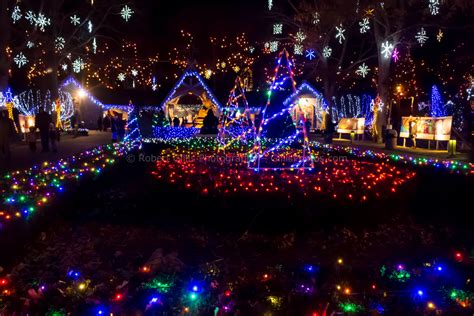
(396, 55)
(59, 43)
(78, 65)
(327, 52)
(362, 70)
(310, 54)
(386, 49)
(134, 72)
(126, 13)
(16, 14)
(364, 25)
(421, 36)
(277, 29)
(75, 20)
(121, 77)
(340, 30)
(20, 60)
(434, 7)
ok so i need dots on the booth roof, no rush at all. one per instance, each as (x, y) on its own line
(124, 97)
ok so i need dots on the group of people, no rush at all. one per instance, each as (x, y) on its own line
(115, 122)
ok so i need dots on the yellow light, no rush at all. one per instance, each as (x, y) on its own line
(340, 261)
(431, 305)
(82, 286)
(81, 93)
(347, 291)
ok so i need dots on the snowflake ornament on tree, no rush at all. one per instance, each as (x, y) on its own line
(434, 7)
(30, 44)
(134, 72)
(327, 52)
(64, 67)
(364, 25)
(75, 20)
(386, 49)
(277, 29)
(396, 55)
(421, 36)
(362, 70)
(78, 65)
(273, 46)
(298, 50)
(340, 30)
(41, 21)
(16, 14)
(20, 60)
(310, 54)
(30, 17)
(126, 13)
(59, 43)
(121, 77)
(300, 36)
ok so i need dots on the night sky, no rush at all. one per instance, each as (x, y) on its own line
(157, 24)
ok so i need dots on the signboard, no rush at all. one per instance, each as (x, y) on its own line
(430, 128)
(348, 125)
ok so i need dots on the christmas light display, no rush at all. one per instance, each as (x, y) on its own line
(310, 54)
(421, 36)
(437, 106)
(29, 103)
(386, 49)
(340, 30)
(20, 60)
(362, 70)
(126, 13)
(364, 25)
(327, 51)
(75, 20)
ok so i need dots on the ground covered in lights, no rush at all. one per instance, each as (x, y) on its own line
(175, 229)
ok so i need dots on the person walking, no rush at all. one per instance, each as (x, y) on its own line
(42, 122)
(7, 131)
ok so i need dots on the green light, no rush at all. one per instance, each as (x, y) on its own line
(349, 307)
(193, 296)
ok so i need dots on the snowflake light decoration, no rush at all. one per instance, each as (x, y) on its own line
(421, 36)
(20, 60)
(298, 50)
(300, 36)
(30, 44)
(126, 13)
(434, 7)
(439, 36)
(134, 72)
(270, 5)
(59, 43)
(94, 45)
(90, 26)
(41, 21)
(30, 17)
(64, 67)
(273, 46)
(16, 14)
(340, 30)
(251, 49)
(327, 52)
(121, 77)
(364, 25)
(386, 49)
(310, 54)
(78, 65)
(316, 18)
(396, 55)
(208, 73)
(75, 20)
(362, 70)
(277, 29)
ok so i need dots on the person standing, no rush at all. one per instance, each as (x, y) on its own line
(42, 122)
(7, 131)
(100, 123)
(106, 122)
(31, 137)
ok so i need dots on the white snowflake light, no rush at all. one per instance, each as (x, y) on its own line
(134, 72)
(270, 5)
(277, 29)
(78, 65)
(75, 20)
(327, 52)
(64, 67)
(90, 26)
(340, 33)
(434, 7)
(316, 18)
(300, 36)
(121, 77)
(59, 43)
(20, 60)
(310, 54)
(273, 46)
(251, 49)
(386, 50)
(30, 44)
(298, 49)
(16, 14)
(362, 70)
(421, 36)
(42, 22)
(364, 25)
(94, 45)
(126, 13)
(30, 17)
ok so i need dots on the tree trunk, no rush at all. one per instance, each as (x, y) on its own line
(383, 90)
(4, 41)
